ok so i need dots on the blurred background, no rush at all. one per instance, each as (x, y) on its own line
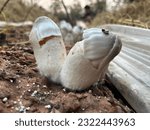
(90, 12)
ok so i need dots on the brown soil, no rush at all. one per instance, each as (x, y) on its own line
(22, 89)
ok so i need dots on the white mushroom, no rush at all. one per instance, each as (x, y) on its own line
(86, 62)
(48, 46)
(66, 30)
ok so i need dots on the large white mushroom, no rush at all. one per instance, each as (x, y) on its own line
(86, 62)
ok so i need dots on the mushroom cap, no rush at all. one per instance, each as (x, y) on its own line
(46, 27)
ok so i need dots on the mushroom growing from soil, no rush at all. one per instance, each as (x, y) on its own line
(86, 62)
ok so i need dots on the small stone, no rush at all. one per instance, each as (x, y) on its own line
(90, 91)
(11, 81)
(16, 108)
(22, 109)
(19, 100)
(48, 106)
(45, 93)
(99, 97)
(20, 103)
(15, 102)
(29, 90)
(33, 94)
(83, 109)
(5, 99)
(64, 90)
(44, 86)
(28, 108)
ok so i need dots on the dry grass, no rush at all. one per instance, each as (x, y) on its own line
(135, 14)
(17, 11)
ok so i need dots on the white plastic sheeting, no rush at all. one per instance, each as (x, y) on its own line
(130, 70)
